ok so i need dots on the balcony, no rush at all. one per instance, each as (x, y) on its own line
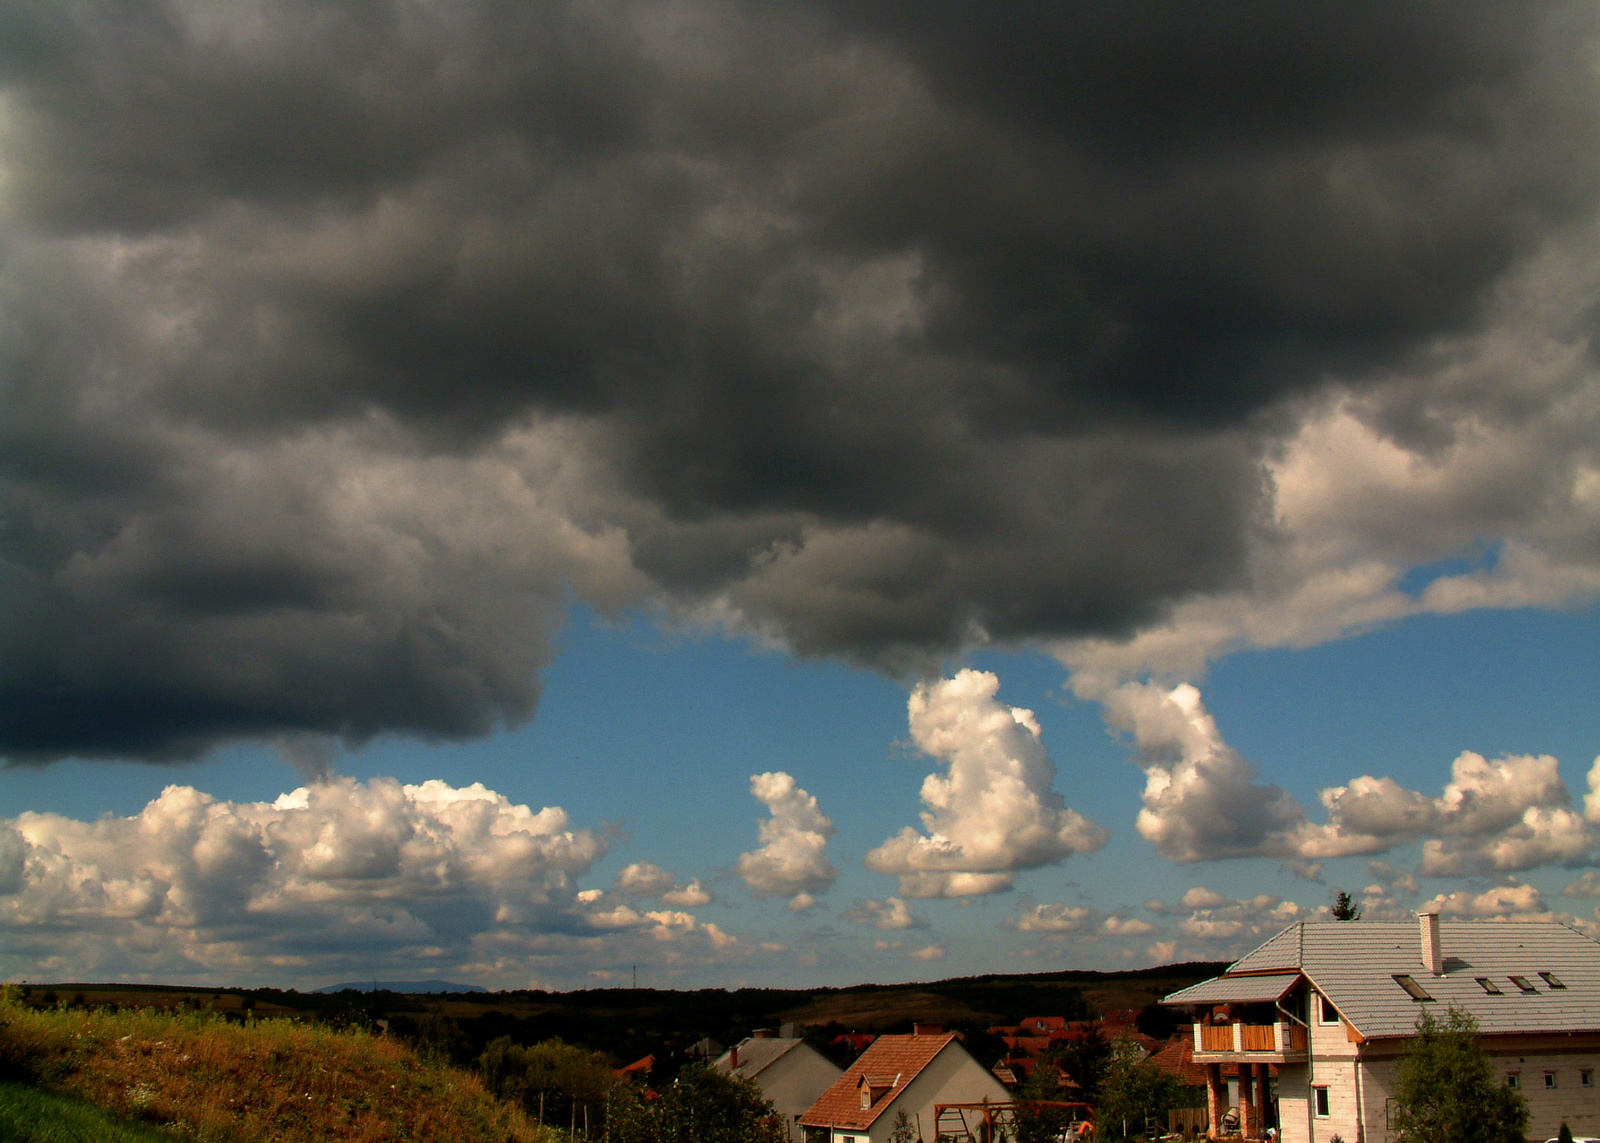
(1278, 1043)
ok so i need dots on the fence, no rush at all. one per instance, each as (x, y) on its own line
(1188, 1120)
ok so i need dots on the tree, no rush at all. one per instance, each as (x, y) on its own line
(1345, 908)
(1133, 1089)
(1045, 1124)
(706, 1106)
(1446, 1088)
(903, 1131)
(1084, 1060)
(558, 1079)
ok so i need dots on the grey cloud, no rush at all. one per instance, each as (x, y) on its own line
(344, 346)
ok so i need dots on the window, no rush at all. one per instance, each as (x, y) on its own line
(1321, 1094)
(1490, 986)
(1586, 1077)
(1330, 1014)
(1513, 1079)
(1552, 979)
(1522, 983)
(1549, 1080)
(1413, 989)
(866, 1097)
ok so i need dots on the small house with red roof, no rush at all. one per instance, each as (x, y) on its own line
(913, 1074)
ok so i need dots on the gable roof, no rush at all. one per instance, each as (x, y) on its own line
(1354, 963)
(892, 1062)
(756, 1054)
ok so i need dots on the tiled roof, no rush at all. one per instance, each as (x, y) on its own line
(898, 1059)
(1354, 964)
(1235, 989)
(755, 1055)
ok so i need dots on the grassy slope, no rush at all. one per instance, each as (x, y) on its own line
(270, 1079)
(29, 1115)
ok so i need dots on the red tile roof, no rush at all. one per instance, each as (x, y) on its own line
(899, 1059)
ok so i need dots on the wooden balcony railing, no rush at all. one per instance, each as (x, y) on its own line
(1297, 1037)
(1216, 1037)
(1259, 1037)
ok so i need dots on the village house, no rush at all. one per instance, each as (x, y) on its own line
(1332, 1005)
(915, 1074)
(790, 1072)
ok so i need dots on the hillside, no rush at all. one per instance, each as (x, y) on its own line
(629, 1023)
(242, 1081)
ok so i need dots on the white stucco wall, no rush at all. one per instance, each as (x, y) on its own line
(1363, 1077)
(794, 1081)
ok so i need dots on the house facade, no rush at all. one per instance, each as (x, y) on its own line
(1333, 1004)
(789, 1072)
(916, 1074)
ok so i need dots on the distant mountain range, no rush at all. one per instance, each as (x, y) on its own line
(411, 987)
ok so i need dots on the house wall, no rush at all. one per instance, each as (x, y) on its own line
(794, 1081)
(953, 1076)
(1361, 1081)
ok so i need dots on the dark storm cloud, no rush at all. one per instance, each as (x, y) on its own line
(341, 343)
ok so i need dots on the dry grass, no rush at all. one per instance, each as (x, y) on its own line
(268, 1080)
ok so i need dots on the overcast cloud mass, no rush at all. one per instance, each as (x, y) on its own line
(344, 347)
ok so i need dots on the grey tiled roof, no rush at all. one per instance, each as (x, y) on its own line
(1236, 989)
(1353, 963)
(756, 1055)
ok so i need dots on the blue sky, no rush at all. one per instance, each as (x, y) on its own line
(789, 494)
(657, 734)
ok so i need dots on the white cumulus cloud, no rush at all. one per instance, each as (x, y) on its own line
(324, 878)
(991, 812)
(892, 913)
(791, 861)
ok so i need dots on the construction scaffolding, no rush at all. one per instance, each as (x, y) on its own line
(996, 1121)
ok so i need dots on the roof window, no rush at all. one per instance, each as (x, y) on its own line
(1413, 989)
(1523, 983)
(1490, 986)
(1552, 979)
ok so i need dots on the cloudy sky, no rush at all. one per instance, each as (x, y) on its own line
(789, 492)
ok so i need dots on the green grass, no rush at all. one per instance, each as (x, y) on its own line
(29, 1115)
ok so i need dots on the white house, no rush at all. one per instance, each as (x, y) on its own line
(916, 1074)
(789, 1072)
(1333, 1004)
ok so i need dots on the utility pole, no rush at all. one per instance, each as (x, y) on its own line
(635, 978)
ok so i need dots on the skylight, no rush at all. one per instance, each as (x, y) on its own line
(1490, 986)
(1552, 980)
(1414, 989)
(1523, 983)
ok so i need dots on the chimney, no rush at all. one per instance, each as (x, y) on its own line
(762, 1034)
(788, 1032)
(1432, 955)
(927, 1029)
(733, 1058)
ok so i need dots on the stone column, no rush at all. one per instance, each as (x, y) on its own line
(1263, 1096)
(1248, 1127)
(1216, 1100)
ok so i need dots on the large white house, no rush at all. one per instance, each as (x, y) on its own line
(789, 1072)
(916, 1074)
(1333, 1004)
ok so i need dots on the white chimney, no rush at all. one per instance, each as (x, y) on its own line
(1432, 955)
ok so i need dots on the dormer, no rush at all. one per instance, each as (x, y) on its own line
(873, 1088)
